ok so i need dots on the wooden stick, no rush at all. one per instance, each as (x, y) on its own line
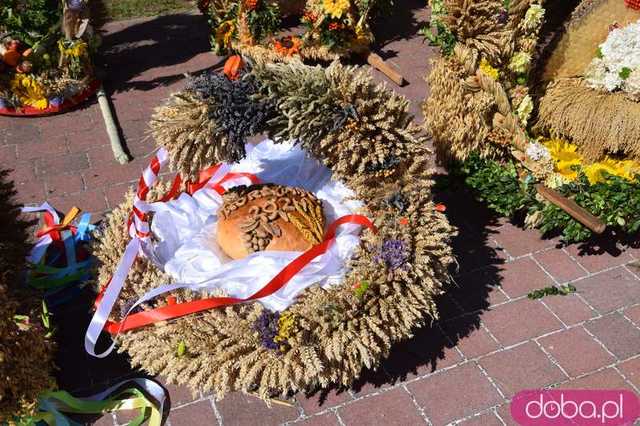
(378, 63)
(572, 208)
(112, 131)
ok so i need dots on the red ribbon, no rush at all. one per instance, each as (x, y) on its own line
(54, 229)
(176, 310)
(203, 179)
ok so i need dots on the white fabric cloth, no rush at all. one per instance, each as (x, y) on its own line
(185, 245)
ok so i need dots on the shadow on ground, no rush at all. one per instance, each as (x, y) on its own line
(153, 43)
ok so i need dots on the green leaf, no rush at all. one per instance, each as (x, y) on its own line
(625, 73)
(182, 349)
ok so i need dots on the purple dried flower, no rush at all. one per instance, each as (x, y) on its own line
(267, 326)
(393, 253)
(76, 5)
(4, 103)
(56, 101)
(503, 16)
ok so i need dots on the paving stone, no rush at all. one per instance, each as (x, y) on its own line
(521, 276)
(486, 419)
(518, 241)
(469, 337)
(89, 201)
(38, 149)
(610, 290)
(198, 413)
(51, 165)
(560, 265)
(631, 370)
(520, 320)
(391, 408)
(19, 132)
(478, 290)
(596, 259)
(603, 379)
(521, 367)
(327, 419)
(322, 400)
(179, 395)
(240, 409)
(61, 184)
(8, 154)
(439, 394)
(576, 351)
(504, 411)
(633, 314)
(617, 334)
(570, 308)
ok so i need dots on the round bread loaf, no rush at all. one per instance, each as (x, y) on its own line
(269, 217)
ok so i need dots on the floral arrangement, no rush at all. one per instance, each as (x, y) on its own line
(365, 136)
(617, 65)
(512, 146)
(333, 28)
(26, 349)
(45, 53)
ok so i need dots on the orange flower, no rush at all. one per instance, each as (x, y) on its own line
(310, 16)
(441, 208)
(333, 26)
(233, 66)
(288, 46)
(250, 4)
(403, 221)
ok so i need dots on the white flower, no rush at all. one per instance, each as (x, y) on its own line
(620, 50)
(525, 109)
(632, 84)
(536, 152)
(533, 17)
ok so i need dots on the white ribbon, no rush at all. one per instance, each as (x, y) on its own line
(40, 247)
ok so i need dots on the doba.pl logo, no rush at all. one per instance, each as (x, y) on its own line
(560, 407)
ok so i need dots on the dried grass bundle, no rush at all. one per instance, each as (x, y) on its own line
(598, 122)
(26, 355)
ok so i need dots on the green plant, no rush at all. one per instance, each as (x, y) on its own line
(562, 290)
(497, 184)
(29, 20)
(264, 21)
(436, 32)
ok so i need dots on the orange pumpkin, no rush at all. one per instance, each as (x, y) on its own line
(11, 57)
(233, 66)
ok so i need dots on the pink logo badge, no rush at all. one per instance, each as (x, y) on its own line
(560, 407)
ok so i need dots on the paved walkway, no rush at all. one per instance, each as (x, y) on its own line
(491, 341)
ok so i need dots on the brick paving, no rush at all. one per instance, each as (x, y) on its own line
(490, 342)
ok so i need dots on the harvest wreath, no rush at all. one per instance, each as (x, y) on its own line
(329, 231)
(333, 29)
(45, 56)
(547, 124)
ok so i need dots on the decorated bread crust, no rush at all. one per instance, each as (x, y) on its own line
(269, 217)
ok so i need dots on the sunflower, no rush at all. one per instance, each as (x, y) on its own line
(288, 46)
(29, 91)
(336, 8)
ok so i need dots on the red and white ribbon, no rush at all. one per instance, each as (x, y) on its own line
(214, 177)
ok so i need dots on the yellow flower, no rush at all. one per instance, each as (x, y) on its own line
(29, 91)
(224, 33)
(520, 62)
(77, 50)
(287, 327)
(336, 8)
(486, 68)
(566, 158)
